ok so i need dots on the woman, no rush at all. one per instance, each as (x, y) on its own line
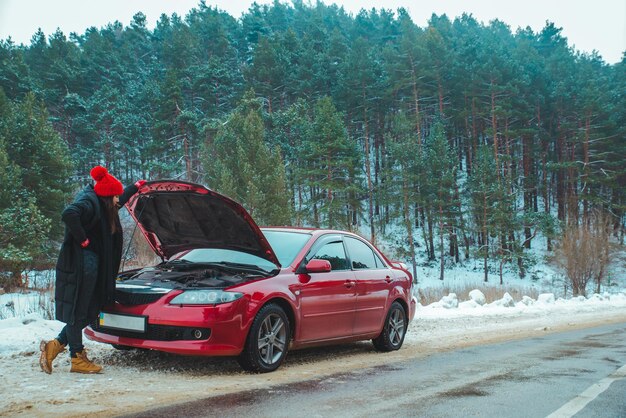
(88, 263)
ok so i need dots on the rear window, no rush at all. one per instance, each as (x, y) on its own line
(286, 244)
(361, 255)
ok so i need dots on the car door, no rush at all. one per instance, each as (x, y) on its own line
(327, 300)
(373, 284)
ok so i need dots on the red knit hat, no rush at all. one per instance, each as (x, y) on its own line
(106, 184)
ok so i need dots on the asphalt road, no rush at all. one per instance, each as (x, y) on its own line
(579, 373)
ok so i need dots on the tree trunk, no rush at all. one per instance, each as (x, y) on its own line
(368, 173)
(485, 235)
(560, 178)
(468, 136)
(187, 158)
(409, 226)
(573, 187)
(418, 123)
(441, 249)
(508, 169)
(526, 164)
(474, 137)
(494, 127)
(486, 267)
(584, 177)
(329, 191)
(424, 229)
(440, 88)
(544, 169)
(431, 244)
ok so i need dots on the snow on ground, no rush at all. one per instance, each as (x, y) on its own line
(132, 378)
(523, 308)
(23, 331)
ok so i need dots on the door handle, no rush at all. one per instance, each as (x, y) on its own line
(349, 284)
(388, 279)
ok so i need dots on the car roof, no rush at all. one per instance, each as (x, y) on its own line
(308, 230)
(290, 229)
(316, 232)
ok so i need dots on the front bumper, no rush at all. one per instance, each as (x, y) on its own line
(206, 330)
(186, 347)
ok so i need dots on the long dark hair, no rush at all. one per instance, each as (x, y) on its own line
(112, 213)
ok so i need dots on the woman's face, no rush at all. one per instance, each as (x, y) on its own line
(116, 201)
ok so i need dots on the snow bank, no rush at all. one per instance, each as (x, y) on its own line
(468, 304)
(450, 301)
(23, 333)
(546, 298)
(527, 301)
(478, 297)
(450, 306)
(506, 301)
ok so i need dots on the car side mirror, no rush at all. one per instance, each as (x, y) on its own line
(318, 266)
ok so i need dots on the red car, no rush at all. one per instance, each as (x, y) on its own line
(228, 288)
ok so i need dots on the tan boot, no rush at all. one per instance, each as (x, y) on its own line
(81, 364)
(49, 351)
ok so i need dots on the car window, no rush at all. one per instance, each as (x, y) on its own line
(335, 254)
(379, 262)
(361, 254)
(286, 245)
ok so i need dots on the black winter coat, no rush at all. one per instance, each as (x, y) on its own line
(82, 215)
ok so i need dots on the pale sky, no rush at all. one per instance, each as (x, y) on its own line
(588, 24)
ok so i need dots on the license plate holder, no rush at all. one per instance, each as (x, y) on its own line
(134, 323)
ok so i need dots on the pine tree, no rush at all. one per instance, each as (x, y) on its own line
(14, 72)
(240, 165)
(405, 176)
(144, 100)
(330, 164)
(32, 189)
(43, 158)
(289, 130)
(483, 189)
(438, 181)
(267, 72)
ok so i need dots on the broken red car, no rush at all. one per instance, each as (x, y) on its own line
(226, 287)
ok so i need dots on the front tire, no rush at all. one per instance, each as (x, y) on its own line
(394, 330)
(267, 342)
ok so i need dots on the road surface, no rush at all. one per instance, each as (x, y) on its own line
(578, 373)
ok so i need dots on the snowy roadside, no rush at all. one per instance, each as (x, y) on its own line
(137, 378)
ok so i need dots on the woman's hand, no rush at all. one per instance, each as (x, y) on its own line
(85, 243)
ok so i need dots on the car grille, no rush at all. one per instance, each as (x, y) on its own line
(129, 298)
(159, 333)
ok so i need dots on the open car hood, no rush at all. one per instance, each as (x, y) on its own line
(175, 216)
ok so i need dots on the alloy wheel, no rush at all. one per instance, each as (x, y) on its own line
(272, 339)
(396, 326)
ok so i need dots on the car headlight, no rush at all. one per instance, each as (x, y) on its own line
(205, 297)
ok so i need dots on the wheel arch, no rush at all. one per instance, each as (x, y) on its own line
(404, 305)
(289, 311)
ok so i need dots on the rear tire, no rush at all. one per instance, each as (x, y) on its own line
(267, 342)
(394, 330)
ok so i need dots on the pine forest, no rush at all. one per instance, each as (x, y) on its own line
(457, 141)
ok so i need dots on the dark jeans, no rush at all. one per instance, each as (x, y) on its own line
(87, 306)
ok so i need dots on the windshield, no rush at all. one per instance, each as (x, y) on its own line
(213, 255)
(286, 244)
